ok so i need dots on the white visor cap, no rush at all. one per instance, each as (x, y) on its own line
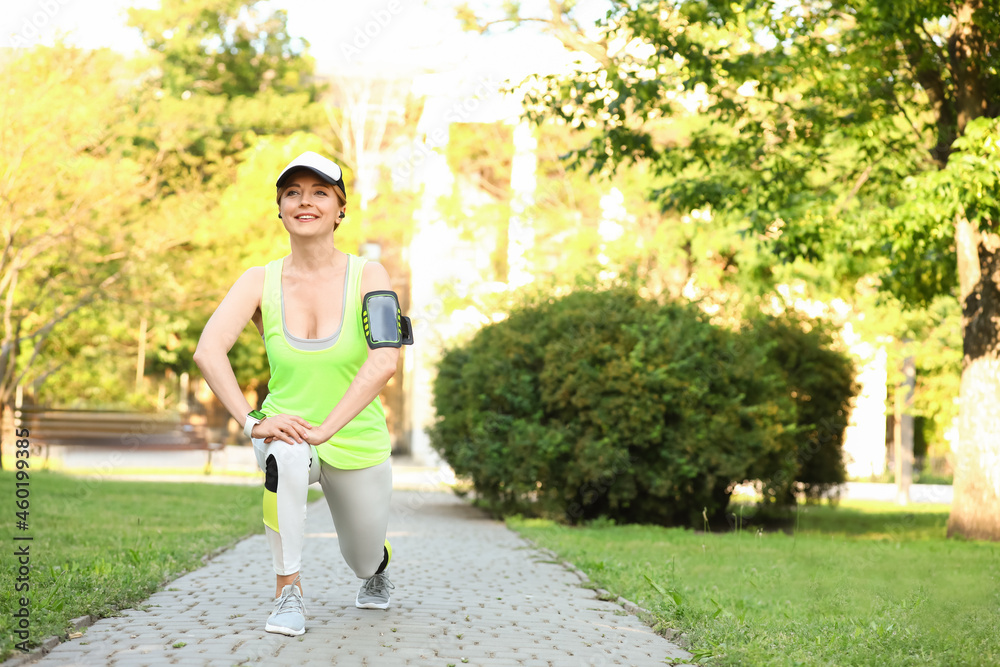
(326, 169)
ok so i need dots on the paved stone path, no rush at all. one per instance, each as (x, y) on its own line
(468, 591)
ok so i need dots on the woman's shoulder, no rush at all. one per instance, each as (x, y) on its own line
(254, 274)
(252, 281)
(374, 277)
(257, 273)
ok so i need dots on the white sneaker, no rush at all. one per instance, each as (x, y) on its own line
(288, 617)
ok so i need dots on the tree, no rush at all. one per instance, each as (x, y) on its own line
(859, 134)
(70, 203)
(223, 47)
(224, 72)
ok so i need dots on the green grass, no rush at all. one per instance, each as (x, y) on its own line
(861, 584)
(101, 546)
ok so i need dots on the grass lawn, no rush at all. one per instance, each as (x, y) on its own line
(101, 546)
(864, 583)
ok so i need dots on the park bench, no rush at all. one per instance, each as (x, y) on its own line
(106, 428)
(121, 431)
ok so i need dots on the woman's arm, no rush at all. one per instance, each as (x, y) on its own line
(211, 356)
(370, 378)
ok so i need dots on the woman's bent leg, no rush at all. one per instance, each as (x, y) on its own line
(359, 504)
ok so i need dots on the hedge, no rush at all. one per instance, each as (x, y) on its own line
(601, 403)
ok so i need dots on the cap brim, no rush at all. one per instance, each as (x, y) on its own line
(287, 173)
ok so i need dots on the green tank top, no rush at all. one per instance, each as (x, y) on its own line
(309, 376)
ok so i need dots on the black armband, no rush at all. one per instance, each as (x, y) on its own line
(384, 324)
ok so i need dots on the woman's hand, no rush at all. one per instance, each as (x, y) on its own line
(288, 428)
(318, 436)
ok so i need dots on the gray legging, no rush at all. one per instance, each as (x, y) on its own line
(358, 501)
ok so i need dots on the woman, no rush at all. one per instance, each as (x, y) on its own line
(332, 344)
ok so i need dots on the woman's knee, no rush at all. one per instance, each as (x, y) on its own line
(290, 455)
(365, 563)
(284, 461)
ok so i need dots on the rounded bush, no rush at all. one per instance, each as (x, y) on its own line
(601, 403)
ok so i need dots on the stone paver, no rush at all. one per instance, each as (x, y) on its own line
(468, 591)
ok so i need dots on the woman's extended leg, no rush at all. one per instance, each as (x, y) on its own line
(359, 503)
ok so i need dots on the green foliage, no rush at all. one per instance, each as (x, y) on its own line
(72, 203)
(227, 47)
(603, 403)
(821, 382)
(822, 127)
(786, 136)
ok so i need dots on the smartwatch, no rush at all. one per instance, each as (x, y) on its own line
(254, 417)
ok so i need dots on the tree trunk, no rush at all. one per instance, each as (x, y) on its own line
(974, 512)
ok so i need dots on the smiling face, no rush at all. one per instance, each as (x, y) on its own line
(309, 204)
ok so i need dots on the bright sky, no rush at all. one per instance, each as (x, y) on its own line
(89, 24)
(393, 36)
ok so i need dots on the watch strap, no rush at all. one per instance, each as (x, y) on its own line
(254, 417)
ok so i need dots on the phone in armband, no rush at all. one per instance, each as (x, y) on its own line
(383, 321)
